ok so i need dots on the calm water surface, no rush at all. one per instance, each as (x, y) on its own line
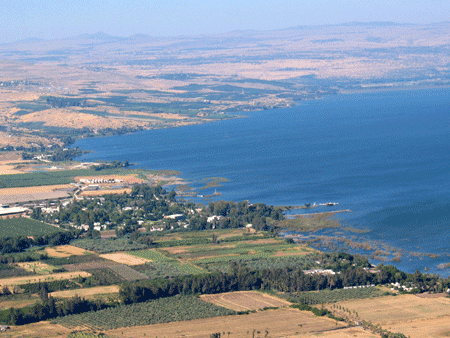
(385, 156)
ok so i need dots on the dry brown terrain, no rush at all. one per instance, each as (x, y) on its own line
(33, 190)
(6, 169)
(411, 315)
(38, 330)
(87, 292)
(286, 322)
(160, 83)
(42, 278)
(245, 300)
(123, 258)
(18, 303)
(66, 251)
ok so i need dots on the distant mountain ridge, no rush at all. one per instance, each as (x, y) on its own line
(141, 36)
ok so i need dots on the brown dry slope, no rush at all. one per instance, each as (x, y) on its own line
(411, 315)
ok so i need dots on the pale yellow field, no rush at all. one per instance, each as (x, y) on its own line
(245, 300)
(8, 170)
(32, 190)
(105, 192)
(42, 278)
(124, 258)
(285, 322)
(411, 315)
(87, 293)
(351, 332)
(40, 329)
(66, 251)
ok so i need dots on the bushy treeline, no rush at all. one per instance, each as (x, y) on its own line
(236, 215)
(19, 244)
(62, 102)
(48, 309)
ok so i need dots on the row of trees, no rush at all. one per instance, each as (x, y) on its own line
(19, 244)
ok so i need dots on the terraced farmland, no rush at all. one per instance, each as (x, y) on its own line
(163, 310)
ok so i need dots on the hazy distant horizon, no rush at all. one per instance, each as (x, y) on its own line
(54, 19)
(101, 34)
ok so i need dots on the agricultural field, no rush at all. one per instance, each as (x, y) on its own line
(151, 255)
(36, 267)
(124, 258)
(7, 271)
(168, 269)
(25, 227)
(75, 259)
(64, 177)
(42, 278)
(90, 265)
(332, 296)
(107, 245)
(86, 292)
(65, 251)
(284, 322)
(255, 248)
(127, 273)
(409, 314)
(163, 310)
(245, 300)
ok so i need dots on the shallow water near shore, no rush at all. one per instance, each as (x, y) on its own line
(384, 155)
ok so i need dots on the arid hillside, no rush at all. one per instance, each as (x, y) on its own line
(99, 84)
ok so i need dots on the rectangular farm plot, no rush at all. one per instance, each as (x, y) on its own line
(245, 300)
(151, 255)
(87, 292)
(66, 251)
(90, 265)
(285, 322)
(393, 311)
(124, 258)
(38, 267)
(42, 278)
(127, 273)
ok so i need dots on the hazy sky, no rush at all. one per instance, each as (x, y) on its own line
(51, 19)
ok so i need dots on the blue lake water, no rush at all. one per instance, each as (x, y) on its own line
(384, 155)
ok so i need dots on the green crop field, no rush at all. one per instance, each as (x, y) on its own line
(150, 254)
(332, 296)
(163, 310)
(168, 269)
(25, 227)
(107, 245)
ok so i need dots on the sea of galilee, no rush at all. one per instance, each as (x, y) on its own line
(384, 155)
